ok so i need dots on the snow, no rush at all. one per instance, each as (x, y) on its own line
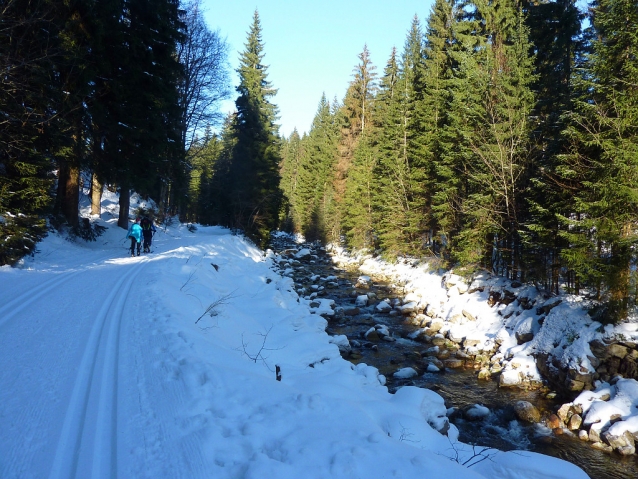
(164, 366)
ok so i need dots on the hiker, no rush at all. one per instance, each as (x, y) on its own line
(135, 233)
(148, 230)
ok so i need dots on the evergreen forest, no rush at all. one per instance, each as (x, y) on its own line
(502, 136)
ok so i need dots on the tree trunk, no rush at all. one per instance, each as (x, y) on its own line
(621, 274)
(63, 175)
(125, 203)
(71, 198)
(96, 195)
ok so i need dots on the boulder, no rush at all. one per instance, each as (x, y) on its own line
(303, 253)
(438, 340)
(363, 282)
(469, 343)
(564, 412)
(408, 308)
(527, 412)
(384, 307)
(431, 368)
(405, 373)
(433, 351)
(342, 343)
(524, 337)
(469, 316)
(362, 300)
(455, 337)
(553, 421)
(574, 385)
(548, 306)
(476, 412)
(617, 350)
(575, 422)
(599, 349)
(453, 363)
(372, 335)
(618, 442)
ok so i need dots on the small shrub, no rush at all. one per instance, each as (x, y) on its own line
(87, 231)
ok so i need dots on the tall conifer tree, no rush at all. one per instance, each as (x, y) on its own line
(354, 117)
(316, 190)
(253, 181)
(554, 33)
(604, 159)
(441, 185)
(491, 103)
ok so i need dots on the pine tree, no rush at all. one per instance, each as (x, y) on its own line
(253, 181)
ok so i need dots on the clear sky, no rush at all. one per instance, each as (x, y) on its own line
(311, 46)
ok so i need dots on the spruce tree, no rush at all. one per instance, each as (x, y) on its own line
(135, 115)
(359, 194)
(253, 175)
(491, 103)
(392, 174)
(30, 96)
(441, 182)
(315, 190)
(603, 159)
(554, 34)
(291, 158)
(354, 116)
(400, 172)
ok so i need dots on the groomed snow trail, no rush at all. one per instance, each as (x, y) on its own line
(93, 340)
(96, 385)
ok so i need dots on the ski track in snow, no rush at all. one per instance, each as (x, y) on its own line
(31, 296)
(23, 301)
(83, 387)
(71, 451)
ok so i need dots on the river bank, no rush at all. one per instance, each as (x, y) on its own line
(481, 328)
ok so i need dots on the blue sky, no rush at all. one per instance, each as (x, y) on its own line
(311, 46)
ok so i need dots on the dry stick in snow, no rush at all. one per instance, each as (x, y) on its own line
(212, 308)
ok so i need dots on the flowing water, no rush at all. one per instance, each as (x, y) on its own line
(460, 388)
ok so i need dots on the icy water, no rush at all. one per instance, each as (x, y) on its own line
(459, 387)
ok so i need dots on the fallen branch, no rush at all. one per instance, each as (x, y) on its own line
(212, 308)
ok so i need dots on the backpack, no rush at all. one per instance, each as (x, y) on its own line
(146, 224)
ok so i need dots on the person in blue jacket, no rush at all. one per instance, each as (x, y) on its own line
(135, 233)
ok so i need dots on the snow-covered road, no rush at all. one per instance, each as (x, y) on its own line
(104, 372)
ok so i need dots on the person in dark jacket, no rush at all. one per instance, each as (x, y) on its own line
(148, 230)
(135, 234)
